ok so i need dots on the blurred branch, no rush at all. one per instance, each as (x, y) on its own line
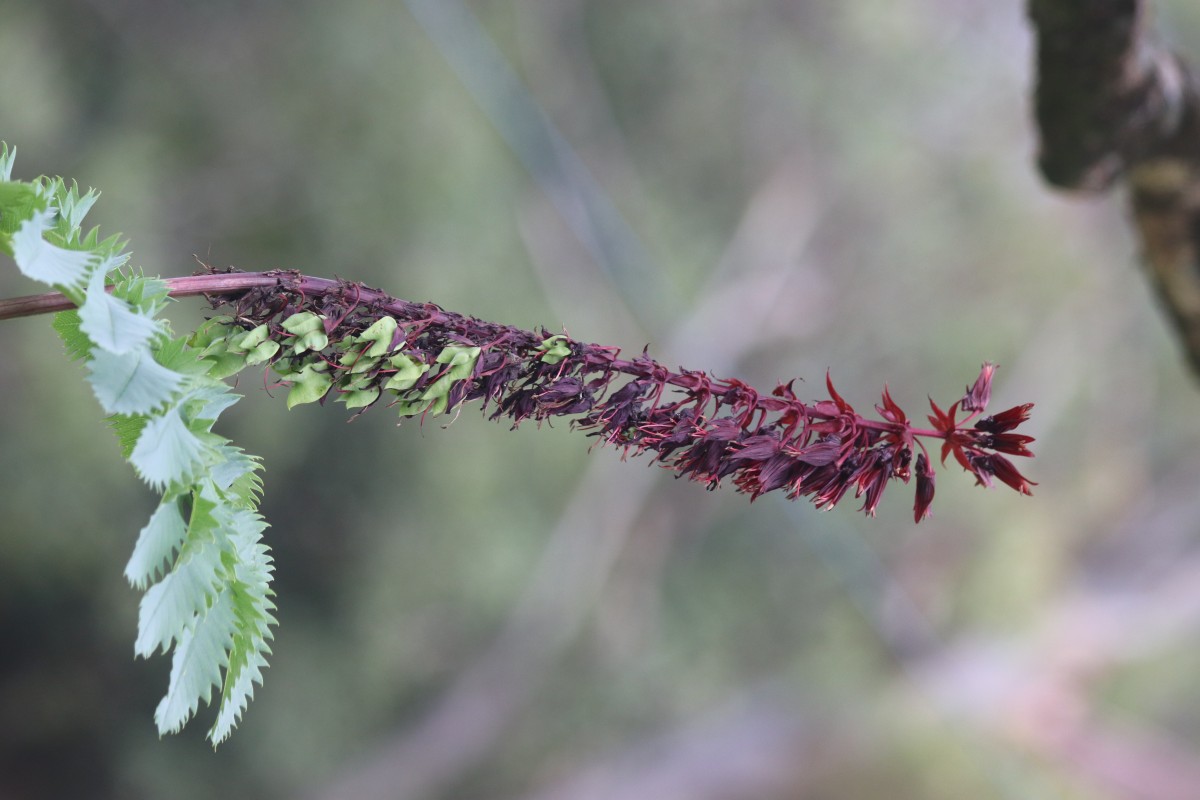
(1112, 104)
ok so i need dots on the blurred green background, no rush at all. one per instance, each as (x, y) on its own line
(763, 189)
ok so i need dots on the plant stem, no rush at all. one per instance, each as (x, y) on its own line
(190, 286)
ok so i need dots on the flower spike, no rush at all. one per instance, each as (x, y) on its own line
(426, 361)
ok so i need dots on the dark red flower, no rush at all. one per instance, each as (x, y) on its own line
(1005, 420)
(889, 410)
(986, 465)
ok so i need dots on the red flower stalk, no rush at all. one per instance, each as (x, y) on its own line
(704, 428)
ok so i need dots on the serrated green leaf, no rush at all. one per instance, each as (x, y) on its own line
(308, 386)
(175, 355)
(168, 452)
(18, 202)
(7, 157)
(46, 262)
(212, 596)
(132, 382)
(252, 607)
(156, 544)
(147, 295)
(127, 427)
(236, 474)
(196, 666)
(246, 663)
(110, 322)
(72, 206)
(66, 325)
(207, 403)
(170, 606)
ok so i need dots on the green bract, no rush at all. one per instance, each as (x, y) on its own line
(309, 330)
(200, 558)
(309, 385)
(556, 349)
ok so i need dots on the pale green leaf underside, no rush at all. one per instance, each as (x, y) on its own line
(169, 606)
(111, 323)
(244, 671)
(45, 262)
(196, 665)
(156, 544)
(234, 464)
(168, 452)
(73, 207)
(132, 382)
(6, 161)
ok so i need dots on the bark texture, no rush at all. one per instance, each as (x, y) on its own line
(1116, 107)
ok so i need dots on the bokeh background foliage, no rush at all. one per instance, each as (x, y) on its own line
(763, 189)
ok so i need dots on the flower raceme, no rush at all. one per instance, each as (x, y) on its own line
(338, 340)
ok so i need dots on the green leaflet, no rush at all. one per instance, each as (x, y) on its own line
(128, 428)
(196, 666)
(210, 598)
(18, 202)
(170, 606)
(156, 544)
(168, 452)
(132, 382)
(67, 325)
(249, 590)
(111, 322)
(236, 474)
(46, 262)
